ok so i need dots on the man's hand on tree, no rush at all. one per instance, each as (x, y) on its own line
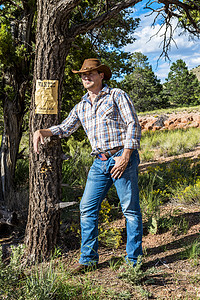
(37, 137)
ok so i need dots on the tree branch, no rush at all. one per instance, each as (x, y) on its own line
(187, 9)
(178, 3)
(98, 21)
(181, 11)
(66, 5)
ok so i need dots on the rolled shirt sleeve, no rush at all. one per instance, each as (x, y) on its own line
(110, 121)
(68, 126)
(129, 117)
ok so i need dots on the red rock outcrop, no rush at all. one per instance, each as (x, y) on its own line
(170, 121)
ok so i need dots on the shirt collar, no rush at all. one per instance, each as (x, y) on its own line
(105, 90)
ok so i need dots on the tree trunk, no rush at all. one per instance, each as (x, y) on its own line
(55, 33)
(16, 76)
(13, 119)
(45, 169)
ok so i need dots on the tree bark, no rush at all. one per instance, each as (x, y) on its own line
(53, 41)
(16, 76)
(45, 169)
(13, 120)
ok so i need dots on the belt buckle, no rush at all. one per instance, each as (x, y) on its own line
(102, 156)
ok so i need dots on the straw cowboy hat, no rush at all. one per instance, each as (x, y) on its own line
(91, 64)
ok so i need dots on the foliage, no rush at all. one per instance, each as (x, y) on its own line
(110, 237)
(177, 180)
(171, 176)
(143, 86)
(182, 87)
(136, 275)
(146, 154)
(157, 224)
(192, 252)
(14, 48)
(47, 280)
(190, 194)
(41, 283)
(104, 213)
(168, 142)
(185, 19)
(6, 45)
(16, 62)
(115, 33)
(10, 274)
(22, 172)
(75, 170)
(177, 224)
(150, 198)
(163, 183)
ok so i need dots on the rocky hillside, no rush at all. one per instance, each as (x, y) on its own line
(170, 121)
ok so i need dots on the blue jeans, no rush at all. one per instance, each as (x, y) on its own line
(98, 183)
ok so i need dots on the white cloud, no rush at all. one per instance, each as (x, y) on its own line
(162, 71)
(195, 60)
(149, 41)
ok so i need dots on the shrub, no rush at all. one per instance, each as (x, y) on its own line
(75, 170)
(190, 194)
(168, 142)
(192, 252)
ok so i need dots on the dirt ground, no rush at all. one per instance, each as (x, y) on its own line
(173, 276)
(194, 154)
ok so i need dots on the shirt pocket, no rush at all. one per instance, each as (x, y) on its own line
(106, 110)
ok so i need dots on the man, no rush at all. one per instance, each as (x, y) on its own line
(111, 124)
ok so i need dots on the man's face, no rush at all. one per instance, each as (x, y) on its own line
(92, 80)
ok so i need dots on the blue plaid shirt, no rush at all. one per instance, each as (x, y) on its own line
(109, 122)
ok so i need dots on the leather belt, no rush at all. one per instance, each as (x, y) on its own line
(109, 153)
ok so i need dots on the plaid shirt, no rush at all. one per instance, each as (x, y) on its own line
(109, 122)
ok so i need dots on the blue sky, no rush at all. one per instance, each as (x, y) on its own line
(150, 45)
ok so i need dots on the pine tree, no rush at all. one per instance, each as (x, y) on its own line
(182, 86)
(143, 86)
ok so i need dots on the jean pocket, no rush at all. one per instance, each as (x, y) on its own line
(118, 153)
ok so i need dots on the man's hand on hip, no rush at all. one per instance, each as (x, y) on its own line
(121, 163)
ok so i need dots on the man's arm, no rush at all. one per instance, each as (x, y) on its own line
(38, 136)
(133, 134)
(129, 117)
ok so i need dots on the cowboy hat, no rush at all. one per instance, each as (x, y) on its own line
(91, 64)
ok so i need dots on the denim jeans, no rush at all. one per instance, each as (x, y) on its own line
(98, 183)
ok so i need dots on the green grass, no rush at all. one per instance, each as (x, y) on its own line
(189, 194)
(49, 281)
(165, 179)
(22, 172)
(192, 252)
(171, 110)
(136, 275)
(168, 143)
(75, 170)
(178, 180)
